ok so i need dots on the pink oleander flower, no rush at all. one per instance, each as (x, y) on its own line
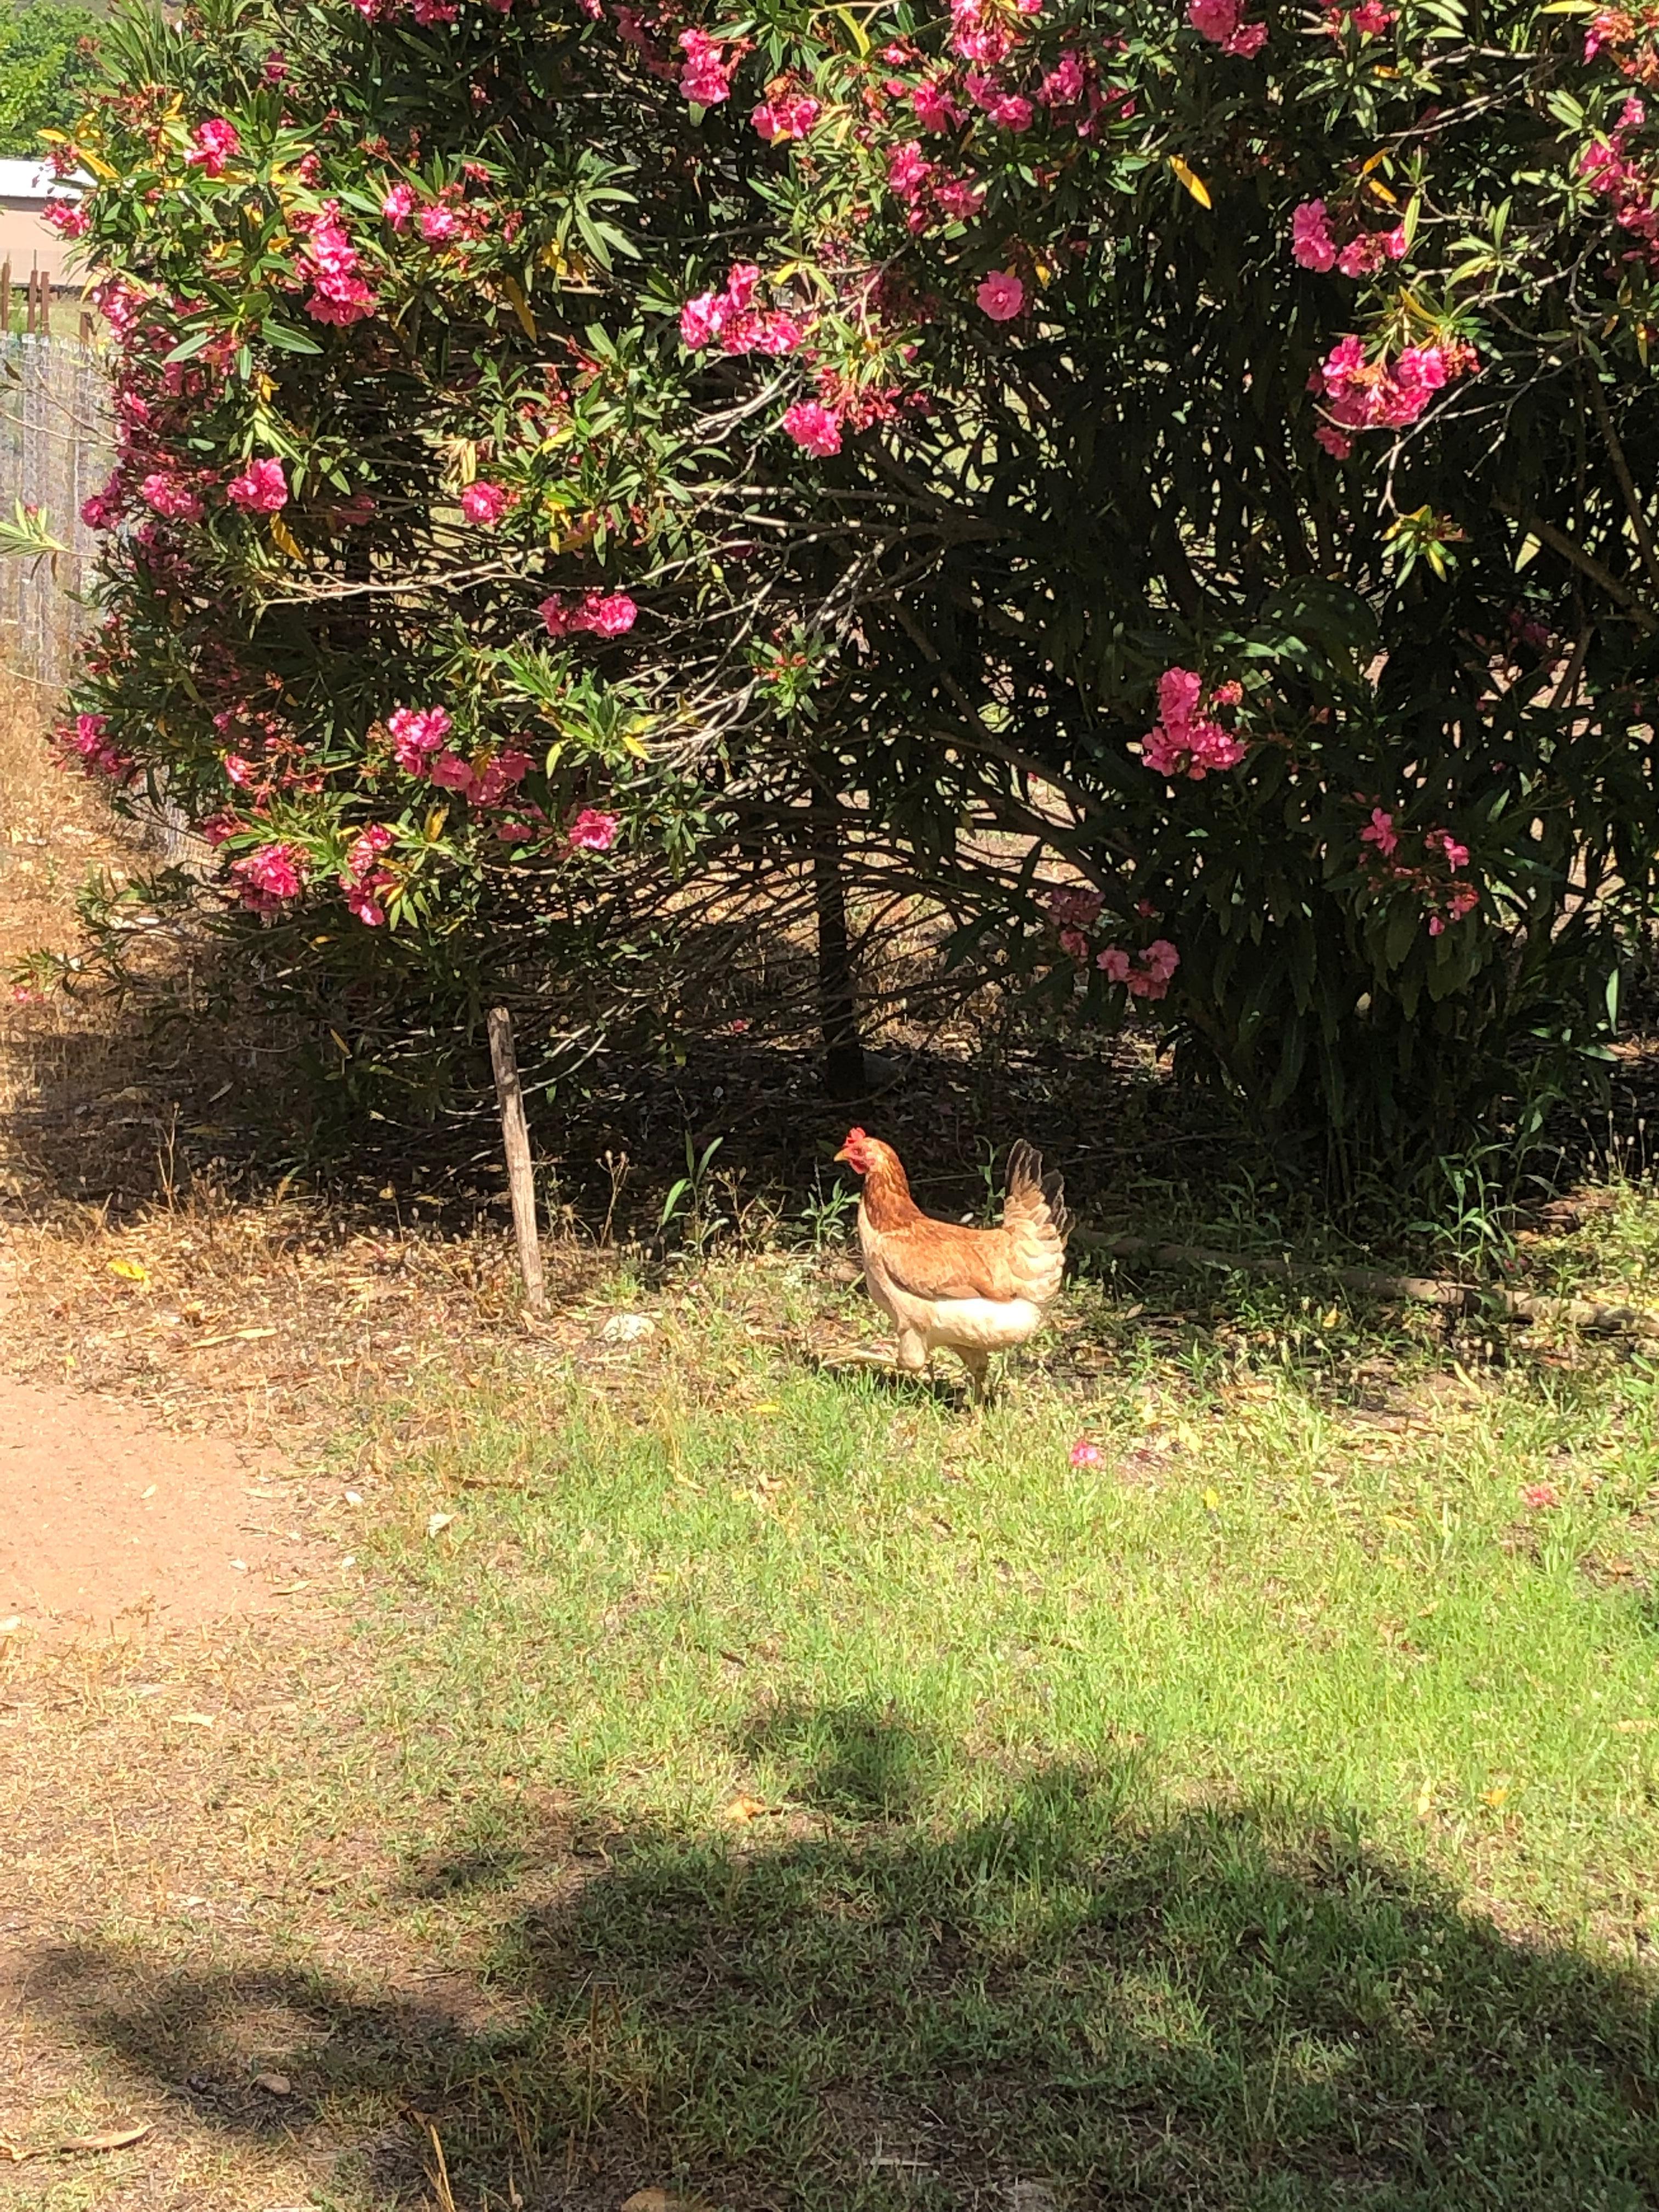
(1001, 295)
(270, 877)
(1009, 109)
(1363, 395)
(1370, 17)
(1337, 443)
(792, 115)
(814, 427)
(1067, 83)
(934, 110)
(361, 902)
(704, 80)
(1084, 1454)
(329, 264)
(450, 772)
(607, 614)
(1365, 255)
(1144, 974)
(1075, 943)
(1220, 23)
(908, 171)
(262, 488)
(170, 497)
(593, 831)
(69, 218)
(366, 849)
(486, 503)
(213, 144)
(1380, 832)
(1311, 244)
(1443, 841)
(777, 333)
(701, 319)
(438, 223)
(418, 732)
(1185, 741)
(725, 314)
(102, 509)
(398, 204)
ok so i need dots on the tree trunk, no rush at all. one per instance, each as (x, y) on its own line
(843, 1050)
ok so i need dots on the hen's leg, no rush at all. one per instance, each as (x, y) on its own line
(978, 1364)
(910, 1352)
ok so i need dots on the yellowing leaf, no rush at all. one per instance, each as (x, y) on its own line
(768, 1406)
(860, 36)
(1425, 1800)
(744, 1808)
(129, 1271)
(284, 540)
(1194, 183)
(520, 305)
(115, 2139)
(1211, 1500)
(1495, 1796)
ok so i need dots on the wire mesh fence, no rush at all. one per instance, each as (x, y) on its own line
(55, 443)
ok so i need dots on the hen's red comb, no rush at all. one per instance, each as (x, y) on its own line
(857, 1137)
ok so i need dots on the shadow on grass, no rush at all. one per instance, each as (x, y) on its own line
(1067, 2003)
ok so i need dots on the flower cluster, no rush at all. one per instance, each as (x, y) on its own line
(262, 488)
(788, 111)
(1222, 22)
(592, 831)
(1144, 974)
(1187, 739)
(87, 739)
(729, 316)
(1369, 18)
(364, 879)
(607, 614)
(212, 145)
(269, 878)
(1075, 911)
(1627, 181)
(486, 503)
(1434, 878)
(329, 264)
(1364, 253)
(706, 77)
(1384, 393)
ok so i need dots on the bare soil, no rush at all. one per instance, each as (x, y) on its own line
(112, 1527)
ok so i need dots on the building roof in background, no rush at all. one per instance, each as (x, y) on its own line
(33, 180)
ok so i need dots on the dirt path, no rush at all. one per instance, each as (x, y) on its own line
(109, 1527)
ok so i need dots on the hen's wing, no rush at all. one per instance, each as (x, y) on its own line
(930, 1259)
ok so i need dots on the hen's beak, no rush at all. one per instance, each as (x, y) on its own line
(844, 1155)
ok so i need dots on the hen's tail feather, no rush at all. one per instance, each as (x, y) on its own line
(1033, 1198)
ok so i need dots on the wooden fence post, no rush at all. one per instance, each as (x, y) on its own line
(515, 1138)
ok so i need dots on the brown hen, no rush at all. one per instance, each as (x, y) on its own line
(946, 1287)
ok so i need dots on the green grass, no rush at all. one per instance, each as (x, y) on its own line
(830, 1799)
(1260, 1817)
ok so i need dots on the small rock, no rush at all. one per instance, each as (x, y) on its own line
(274, 2084)
(627, 1329)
